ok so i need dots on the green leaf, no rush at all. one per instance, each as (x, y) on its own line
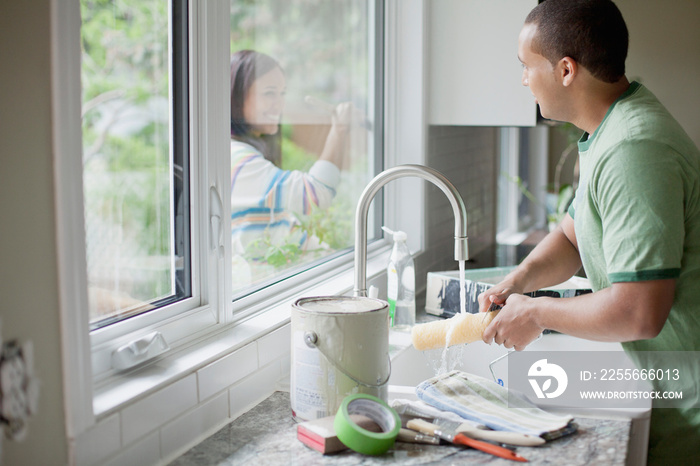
(566, 194)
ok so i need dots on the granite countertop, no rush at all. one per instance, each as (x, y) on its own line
(267, 435)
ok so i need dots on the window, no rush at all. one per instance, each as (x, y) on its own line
(146, 262)
(135, 157)
(158, 152)
(208, 320)
(317, 60)
(521, 186)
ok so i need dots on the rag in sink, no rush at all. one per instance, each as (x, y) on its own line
(485, 402)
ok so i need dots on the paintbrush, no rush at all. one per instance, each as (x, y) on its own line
(461, 439)
(471, 430)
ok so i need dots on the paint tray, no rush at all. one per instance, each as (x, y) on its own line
(442, 293)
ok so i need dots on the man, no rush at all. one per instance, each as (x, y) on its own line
(634, 224)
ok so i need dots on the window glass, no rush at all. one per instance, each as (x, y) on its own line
(135, 171)
(303, 132)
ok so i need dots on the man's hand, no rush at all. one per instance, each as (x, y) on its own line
(497, 294)
(515, 326)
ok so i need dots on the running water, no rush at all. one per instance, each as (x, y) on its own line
(445, 364)
(462, 288)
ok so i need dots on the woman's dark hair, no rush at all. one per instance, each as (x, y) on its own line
(246, 67)
(592, 32)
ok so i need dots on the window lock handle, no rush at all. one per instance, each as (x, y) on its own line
(138, 351)
(216, 226)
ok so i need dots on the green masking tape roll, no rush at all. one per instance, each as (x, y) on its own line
(362, 440)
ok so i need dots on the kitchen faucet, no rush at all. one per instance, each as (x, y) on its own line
(420, 171)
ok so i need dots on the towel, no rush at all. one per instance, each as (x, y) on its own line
(485, 402)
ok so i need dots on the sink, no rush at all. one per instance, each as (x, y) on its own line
(442, 297)
(409, 367)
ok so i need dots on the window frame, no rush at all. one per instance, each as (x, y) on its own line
(70, 225)
(85, 352)
(189, 318)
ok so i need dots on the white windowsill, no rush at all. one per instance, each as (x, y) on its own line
(119, 391)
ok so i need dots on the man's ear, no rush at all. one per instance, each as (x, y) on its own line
(567, 68)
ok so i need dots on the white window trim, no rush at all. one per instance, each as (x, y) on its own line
(80, 350)
(204, 299)
(70, 226)
(514, 228)
(508, 192)
(84, 403)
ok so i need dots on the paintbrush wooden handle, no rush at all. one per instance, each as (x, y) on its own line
(511, 438)
(490, 448)
(429, 428)
(422, 426)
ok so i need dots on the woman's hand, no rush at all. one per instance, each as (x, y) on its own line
(345, 116)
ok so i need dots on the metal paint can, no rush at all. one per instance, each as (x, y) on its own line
(340, 346)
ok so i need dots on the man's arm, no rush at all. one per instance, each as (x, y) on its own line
(625, 311)
(554, 260)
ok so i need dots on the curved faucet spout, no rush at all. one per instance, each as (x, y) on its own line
(401, 171)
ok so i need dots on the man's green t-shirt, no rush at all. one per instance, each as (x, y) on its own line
(637, 217)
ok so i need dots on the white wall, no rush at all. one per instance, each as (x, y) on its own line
(28, 280)
(664, 54)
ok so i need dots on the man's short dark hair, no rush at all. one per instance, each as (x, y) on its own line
(592, 32)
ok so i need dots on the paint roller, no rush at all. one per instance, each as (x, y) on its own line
(461, 329)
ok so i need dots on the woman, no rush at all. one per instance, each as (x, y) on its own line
(266, 200)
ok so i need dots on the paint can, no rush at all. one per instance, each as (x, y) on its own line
(340, 346)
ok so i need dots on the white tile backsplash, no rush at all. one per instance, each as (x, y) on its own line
(275, 345)
(144, 452)
(253, 389)
(101, 441)
(155, 410)
(286, 362)
(194, 425)
(219, 375)
(158, 428)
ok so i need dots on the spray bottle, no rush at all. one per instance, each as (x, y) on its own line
(401, 283)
